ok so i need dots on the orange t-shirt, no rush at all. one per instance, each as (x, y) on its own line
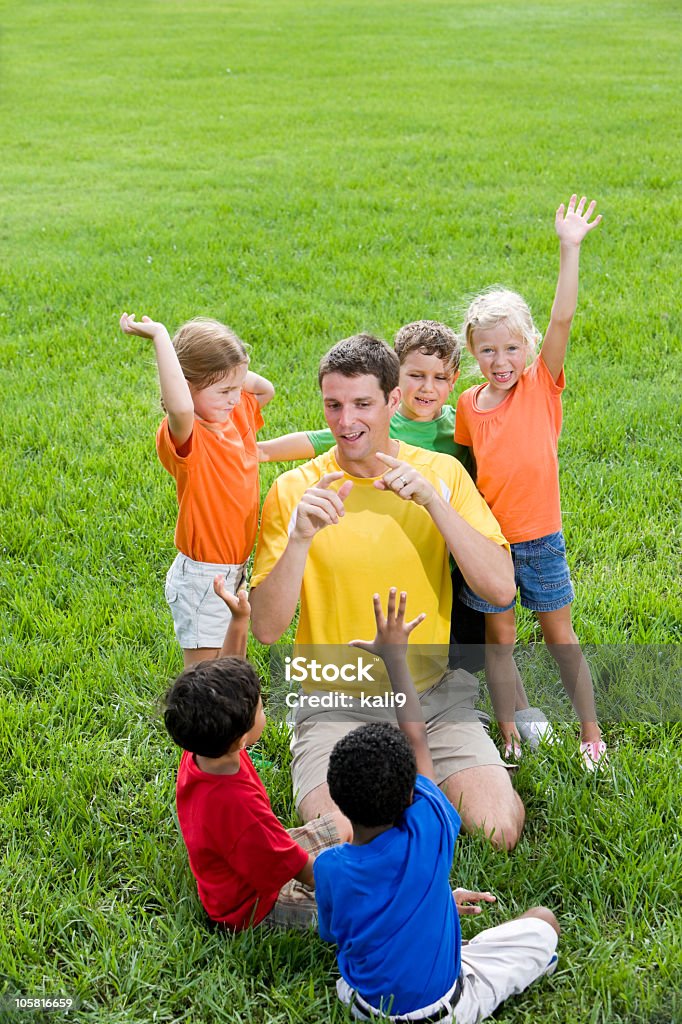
(516, 450)
(217, 486)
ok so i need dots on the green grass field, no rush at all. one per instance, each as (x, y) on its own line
(304, 171)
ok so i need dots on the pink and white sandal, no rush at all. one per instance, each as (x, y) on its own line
(595, 758)
(512, 751)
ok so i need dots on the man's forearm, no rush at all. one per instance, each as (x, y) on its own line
(486, 566)
(273, 602)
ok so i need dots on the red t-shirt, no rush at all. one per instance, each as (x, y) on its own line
(239, 853)
(217, 485)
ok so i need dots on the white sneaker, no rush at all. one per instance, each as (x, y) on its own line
(533, 727)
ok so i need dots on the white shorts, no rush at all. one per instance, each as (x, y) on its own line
(200, 617)
(499, 962)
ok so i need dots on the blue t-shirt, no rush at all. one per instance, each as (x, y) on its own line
(388, 906)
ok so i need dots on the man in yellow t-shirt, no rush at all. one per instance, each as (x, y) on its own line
(370, 514)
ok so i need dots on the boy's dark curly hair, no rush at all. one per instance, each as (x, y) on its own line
(212, 704)
(371, 774)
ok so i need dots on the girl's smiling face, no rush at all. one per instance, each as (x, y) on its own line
(501, 356)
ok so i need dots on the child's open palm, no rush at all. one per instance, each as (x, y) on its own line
(392, 630)
(573, 224)
(146, 328)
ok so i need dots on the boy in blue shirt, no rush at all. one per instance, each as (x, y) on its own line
(385, 898)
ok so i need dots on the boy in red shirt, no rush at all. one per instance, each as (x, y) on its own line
(249, 869)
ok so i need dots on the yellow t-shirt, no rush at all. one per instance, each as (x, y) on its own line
(382, 541)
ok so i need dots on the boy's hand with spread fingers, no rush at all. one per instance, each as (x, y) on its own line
(467, 900)
(392, 630)
(390, 644)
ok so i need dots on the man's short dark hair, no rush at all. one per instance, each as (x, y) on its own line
(212, 704)
(371, 774)
(362, 354)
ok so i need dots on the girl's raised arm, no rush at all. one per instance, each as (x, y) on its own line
(571, 225)
(260, 387)
(175, 392)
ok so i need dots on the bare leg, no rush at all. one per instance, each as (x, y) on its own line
(522, 702)
(545, 915)
(196, 654)
(318, 802)
(562, 644)
(485, 798)
(501, 673)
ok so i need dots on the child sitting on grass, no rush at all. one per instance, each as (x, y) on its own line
(207, 442)
(429, 354)
(512, 425)
(249, 869)
(385, 898)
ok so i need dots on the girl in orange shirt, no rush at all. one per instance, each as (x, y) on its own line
(512, 424)
(207, 442)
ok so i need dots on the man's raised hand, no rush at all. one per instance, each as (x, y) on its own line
(321, 506)
(404, 480)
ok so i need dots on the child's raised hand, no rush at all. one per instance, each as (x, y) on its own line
(147, 328)
(392, 630)
(573, 224)
(466, 901)
(238, 604)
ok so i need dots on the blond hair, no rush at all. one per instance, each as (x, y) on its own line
(207, 350)
(431, 338)
(500, 306)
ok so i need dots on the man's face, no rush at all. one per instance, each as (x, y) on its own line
(358, 414)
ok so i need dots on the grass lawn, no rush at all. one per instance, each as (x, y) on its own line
(304, 171)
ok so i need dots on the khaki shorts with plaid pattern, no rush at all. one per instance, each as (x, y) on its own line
(296, 906)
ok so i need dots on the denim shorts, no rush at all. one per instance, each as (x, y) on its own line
(200, 617)
(541, 574)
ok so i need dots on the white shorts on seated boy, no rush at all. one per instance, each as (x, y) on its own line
(200, 617)
(497, 963)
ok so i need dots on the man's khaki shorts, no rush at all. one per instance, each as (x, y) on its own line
(457, 739)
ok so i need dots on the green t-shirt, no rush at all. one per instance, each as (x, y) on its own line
(435, 435)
